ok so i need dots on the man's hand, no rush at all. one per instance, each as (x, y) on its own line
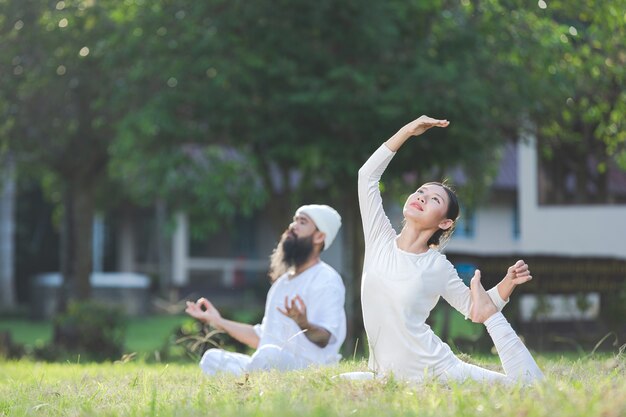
(422, 124)
(296, 310)
(204, 311)
(518, 273)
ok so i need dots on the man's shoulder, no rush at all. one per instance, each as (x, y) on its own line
(327, 269)
(327, 272)
(321, 271)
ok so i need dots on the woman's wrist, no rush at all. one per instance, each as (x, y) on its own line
(404, 132)
(506, 287)
(396, 141)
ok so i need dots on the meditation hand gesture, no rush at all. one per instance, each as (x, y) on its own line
(518, 273)
(204, 311)
(296, 310)
(422, 124)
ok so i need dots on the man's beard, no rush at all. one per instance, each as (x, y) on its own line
(291, 251)
(296, 251)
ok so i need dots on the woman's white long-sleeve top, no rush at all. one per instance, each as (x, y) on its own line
(399, 289)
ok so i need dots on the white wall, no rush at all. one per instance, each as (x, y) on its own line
(590, 231)
(493, 233)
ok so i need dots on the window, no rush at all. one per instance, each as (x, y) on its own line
(572, 173)
(466, 224)
(516, 228)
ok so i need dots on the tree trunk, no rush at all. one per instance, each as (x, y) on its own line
(76, 242)
(126, 241)
(7, 228)
(164, 248)
(445, 324)
(355, 250)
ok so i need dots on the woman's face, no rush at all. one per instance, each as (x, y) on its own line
(427, 206)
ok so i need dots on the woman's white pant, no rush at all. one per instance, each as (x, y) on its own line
(518, 364)
(265, 358)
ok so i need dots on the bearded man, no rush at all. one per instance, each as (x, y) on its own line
(304, 322)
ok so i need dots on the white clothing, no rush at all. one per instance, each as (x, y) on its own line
(282, 344)
(323, 293)
(518, 364)
(399, 289)
(267, 357)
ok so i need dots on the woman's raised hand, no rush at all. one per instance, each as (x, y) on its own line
(422, 124)
(415, 128)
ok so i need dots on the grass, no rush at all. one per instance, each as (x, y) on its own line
(593, 386)
(147, 334)
(144, 335)
(27, 331)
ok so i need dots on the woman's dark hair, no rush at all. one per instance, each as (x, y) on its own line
(441, 236)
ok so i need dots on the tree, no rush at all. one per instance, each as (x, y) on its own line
(61, 122)
(305, 91)
(225, 107)
(581, 128)
(66, 110)
(573, 62)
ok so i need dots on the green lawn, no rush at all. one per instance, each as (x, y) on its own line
(584, 387)
(143, 335)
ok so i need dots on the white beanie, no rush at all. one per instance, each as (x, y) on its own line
(325, 218)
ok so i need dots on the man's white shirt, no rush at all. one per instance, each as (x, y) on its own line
(323, 293)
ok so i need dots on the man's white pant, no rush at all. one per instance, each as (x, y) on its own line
(265, 358)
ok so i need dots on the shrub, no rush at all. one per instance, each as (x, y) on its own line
(192, 339)
(8, 348)
(92, 330)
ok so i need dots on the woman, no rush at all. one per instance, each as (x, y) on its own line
(404, 276)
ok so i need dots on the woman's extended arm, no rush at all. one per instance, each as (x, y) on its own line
(376, 225)
(516, 274)
(457, 294)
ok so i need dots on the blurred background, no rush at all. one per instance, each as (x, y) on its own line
(153, 151)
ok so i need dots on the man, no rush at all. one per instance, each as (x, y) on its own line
(304, 322)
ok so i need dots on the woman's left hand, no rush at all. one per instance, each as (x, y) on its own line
(518, 273)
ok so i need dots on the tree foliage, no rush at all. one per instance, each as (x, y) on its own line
(572, 61)
(220, 108)
(581, 127)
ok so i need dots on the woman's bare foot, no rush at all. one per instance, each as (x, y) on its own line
(482, 307)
